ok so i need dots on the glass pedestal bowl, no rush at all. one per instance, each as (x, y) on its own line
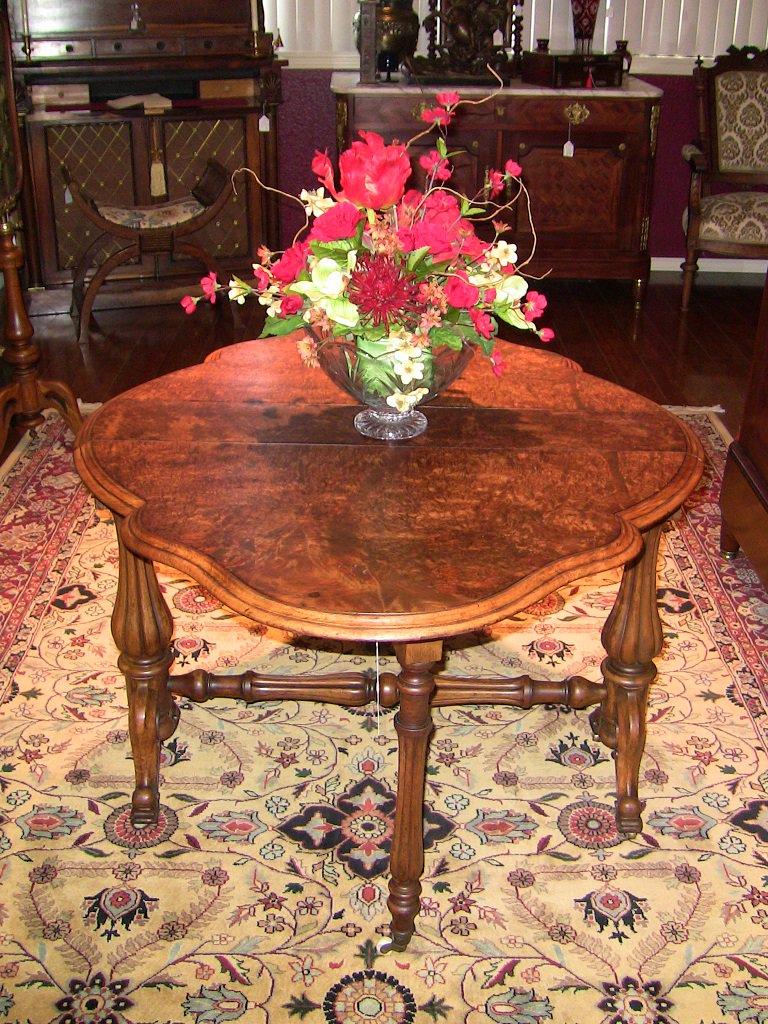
(368, 372)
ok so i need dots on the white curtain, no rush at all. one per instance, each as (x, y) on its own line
(663, 35)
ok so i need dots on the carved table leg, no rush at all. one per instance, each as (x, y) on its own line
(632, 638)
(413, 722)
(142, 627)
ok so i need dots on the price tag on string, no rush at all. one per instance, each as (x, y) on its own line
(264, 123)
(568, 147)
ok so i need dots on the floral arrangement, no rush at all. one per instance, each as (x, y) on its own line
(391, 276)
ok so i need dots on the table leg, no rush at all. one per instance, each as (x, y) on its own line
(632, 638)
(142, 627)
(413, 722)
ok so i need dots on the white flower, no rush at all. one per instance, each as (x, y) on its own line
(503, 253)
(238, 291)
(326, 289)
(315, 201)
(402, 402)
(407, 369)
(399, 338)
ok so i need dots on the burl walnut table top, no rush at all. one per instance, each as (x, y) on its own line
(247, 472)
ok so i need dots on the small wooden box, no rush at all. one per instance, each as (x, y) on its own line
(573, 70)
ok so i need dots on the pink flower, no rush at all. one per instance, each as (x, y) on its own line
(489, 296)
(447, 99)
(262, 278)
(497, 363)
(482, 322)
(208, 284)
(338, 222)
(460, 293)
(372, 174)
(290, 304)
(495, 182)
(546, 334)
(513, 168)
(534, 305)
(436, 165)
(437, 115)
(188, 304)
(291, 263)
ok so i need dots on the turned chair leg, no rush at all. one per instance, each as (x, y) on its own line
(690, 268)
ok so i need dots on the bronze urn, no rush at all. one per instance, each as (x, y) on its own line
(397, 33)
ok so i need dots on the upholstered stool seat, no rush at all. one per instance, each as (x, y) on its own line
(152, 230)
(144, 218)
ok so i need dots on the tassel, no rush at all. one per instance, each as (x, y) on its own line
(157, 179)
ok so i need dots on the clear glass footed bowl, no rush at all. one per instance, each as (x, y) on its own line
(390, 381)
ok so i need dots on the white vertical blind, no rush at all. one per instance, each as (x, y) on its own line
(663, 35)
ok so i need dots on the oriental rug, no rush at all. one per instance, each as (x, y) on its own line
(260, 895)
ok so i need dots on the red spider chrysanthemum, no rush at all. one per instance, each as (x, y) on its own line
(384, 293)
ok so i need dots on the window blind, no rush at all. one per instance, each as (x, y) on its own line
(663, 35)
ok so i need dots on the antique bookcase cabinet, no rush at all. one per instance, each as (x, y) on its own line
(72, 58)
(591, 211)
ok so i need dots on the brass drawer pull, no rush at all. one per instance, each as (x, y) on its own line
(576, 113)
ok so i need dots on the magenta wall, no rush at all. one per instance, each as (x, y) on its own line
(307, 123)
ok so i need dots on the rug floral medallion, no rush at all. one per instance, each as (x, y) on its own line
(260, 894)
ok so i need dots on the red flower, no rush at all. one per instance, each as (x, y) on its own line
(209, 285)
(290, 304)
(513, 168)
(447, 99)
(188, 304)
(372, 174)
(460, 293)
(338, 222)
(383, 292)
(436, 165)
(497, 364)
(546, 334)
(262, 278)
(291, 263)
(437, 115)
(495, 182)
(534, 305)
(323, 168)
(482, 322)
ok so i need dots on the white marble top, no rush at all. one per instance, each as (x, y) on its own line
(630, 88)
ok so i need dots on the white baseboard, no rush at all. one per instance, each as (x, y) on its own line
(712, 265)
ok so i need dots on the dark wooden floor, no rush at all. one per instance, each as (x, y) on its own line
(701, 359)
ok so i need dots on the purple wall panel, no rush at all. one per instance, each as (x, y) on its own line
(307, 123)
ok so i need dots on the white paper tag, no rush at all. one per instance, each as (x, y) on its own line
(568, 148)
(264, 124)
(67, 196)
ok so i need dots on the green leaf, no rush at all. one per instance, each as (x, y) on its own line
(441, 147)
(446, 336)
(416, 257)
(337, 249)
(276, 326)
(186, 798)
(93, 851)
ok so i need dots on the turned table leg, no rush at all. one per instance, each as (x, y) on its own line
(413, 722)
(632, 638)
(142, 627)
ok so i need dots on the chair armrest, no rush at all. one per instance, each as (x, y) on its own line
(694, 156)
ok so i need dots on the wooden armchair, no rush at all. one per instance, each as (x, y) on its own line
(727, 211)
(161, 229)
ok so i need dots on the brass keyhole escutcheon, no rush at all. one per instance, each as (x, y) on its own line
(576, 113)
